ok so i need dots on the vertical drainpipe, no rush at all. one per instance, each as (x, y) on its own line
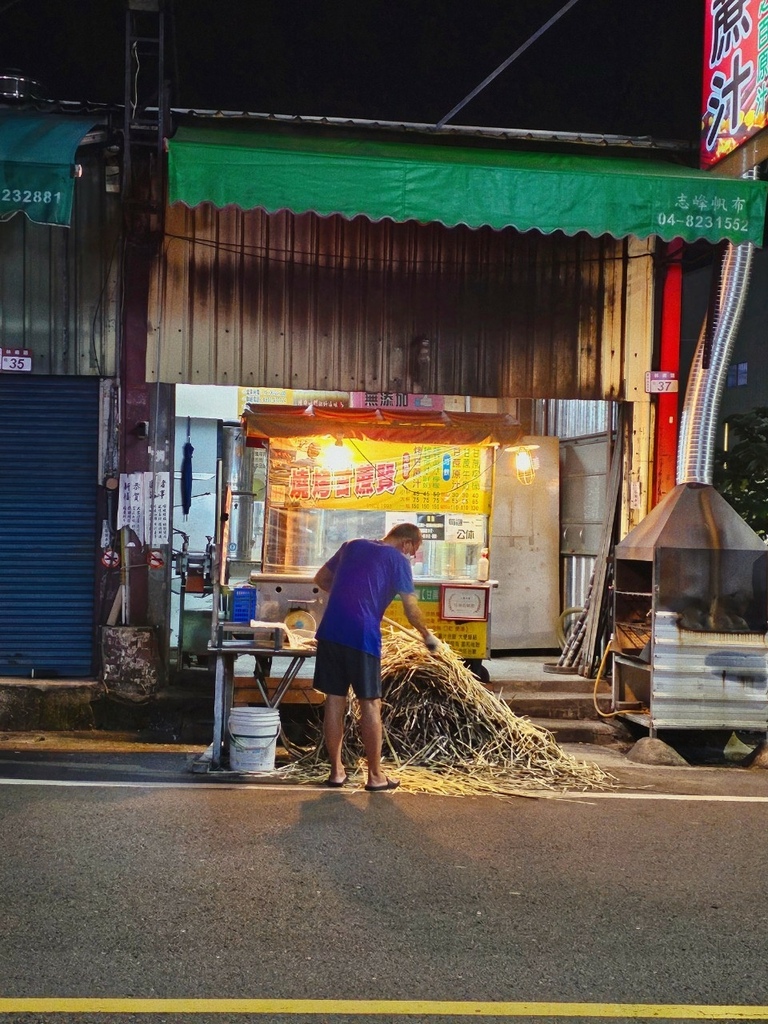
(667, 415)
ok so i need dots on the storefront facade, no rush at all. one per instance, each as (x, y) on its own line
(361, 265)
(59, 289)
(311, 262)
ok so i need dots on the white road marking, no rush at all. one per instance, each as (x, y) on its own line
(283, 787)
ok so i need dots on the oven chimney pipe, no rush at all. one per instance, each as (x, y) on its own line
(698, 423)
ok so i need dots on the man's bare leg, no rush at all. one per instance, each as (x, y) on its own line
(371, 734)
(333, 734)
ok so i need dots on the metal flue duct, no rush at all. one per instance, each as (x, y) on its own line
(698, 422)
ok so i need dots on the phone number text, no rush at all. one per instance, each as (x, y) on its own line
(703, 221)
(28, 195)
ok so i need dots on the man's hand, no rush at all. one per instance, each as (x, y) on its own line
(431, 641)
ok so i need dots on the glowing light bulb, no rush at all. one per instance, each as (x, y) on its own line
(336, 457)
(523, 461)
(526, 464)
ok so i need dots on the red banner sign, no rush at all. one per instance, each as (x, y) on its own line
(735, 75)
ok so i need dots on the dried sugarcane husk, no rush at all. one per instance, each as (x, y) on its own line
(445, 732)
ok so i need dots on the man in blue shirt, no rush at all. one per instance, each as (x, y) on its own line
(362, 578)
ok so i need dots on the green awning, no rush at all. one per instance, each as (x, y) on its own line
(37, 153)
(461, 185)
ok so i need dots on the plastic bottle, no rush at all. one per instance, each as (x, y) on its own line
(483, 566)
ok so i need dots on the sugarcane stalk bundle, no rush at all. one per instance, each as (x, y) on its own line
(438, 715)
(445, 732)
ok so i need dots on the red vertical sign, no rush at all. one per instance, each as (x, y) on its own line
(735, 90)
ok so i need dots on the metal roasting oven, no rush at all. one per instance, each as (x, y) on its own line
(690, 615)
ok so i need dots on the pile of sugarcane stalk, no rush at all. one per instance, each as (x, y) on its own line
(444, 732)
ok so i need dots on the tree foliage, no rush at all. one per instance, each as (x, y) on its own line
(741, 473)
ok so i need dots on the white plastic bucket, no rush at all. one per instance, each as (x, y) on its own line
(253, 736)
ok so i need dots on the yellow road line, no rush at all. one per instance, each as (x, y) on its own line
(389, 1007)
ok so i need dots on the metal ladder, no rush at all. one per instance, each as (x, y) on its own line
(146, 115)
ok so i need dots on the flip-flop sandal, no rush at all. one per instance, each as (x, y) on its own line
(336, 785)
(391, 784)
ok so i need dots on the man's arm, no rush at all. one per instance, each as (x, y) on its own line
(414, 615)
(324, 578)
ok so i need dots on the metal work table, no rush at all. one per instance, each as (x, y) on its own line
(226, 652)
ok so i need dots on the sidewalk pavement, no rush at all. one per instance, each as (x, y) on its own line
(27, 755)
(521, 680)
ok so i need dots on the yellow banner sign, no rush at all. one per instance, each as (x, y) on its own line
(467, 639)
(291, 396)
(379, 475)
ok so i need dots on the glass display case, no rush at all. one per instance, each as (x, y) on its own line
(301, 540)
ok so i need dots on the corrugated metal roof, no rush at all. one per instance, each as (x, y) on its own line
(114, 113)
(455, 130)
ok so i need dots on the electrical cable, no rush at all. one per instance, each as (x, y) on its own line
(275, 255)
(135, 100)
(105, 282)
(502, 67)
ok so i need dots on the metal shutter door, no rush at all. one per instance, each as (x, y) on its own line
(49, 429)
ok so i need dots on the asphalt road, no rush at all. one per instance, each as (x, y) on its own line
(126, 878)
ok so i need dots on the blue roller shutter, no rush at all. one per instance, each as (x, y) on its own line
(49, 428)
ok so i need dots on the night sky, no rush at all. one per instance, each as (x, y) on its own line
(609, 66)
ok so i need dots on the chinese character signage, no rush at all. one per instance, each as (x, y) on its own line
(735, 75)
(157, 508)
(130, 510)
(144, 506)
(313, 473)
(291, 396)
(395, 400)
(468, 639)
(704, 211)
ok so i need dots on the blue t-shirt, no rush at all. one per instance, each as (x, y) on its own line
(367, 575)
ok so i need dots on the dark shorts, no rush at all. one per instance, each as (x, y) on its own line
(338, 667)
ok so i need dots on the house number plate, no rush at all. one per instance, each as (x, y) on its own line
(15, 360)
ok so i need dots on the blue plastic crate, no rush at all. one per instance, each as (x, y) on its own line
(244, 604)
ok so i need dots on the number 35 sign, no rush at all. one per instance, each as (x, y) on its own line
(15, 360)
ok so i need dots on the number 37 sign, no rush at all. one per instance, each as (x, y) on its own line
(15, 360)
(659, 382)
